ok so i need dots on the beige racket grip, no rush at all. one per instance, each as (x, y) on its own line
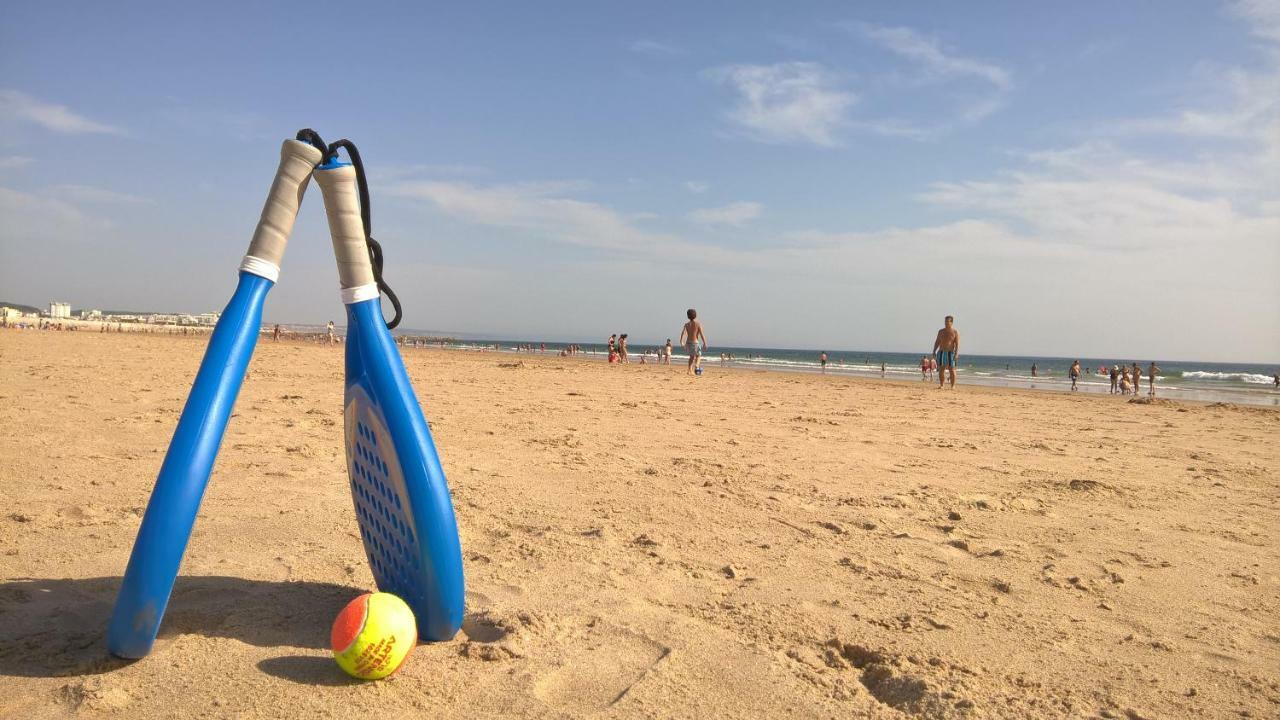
(342, 205)
(297, 160)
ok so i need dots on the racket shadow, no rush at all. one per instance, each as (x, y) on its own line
(52, 627)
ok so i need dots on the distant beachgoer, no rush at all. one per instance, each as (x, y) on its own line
(1274, 378)
(946, 349)
(924, 368)
(666, 354)
(613, 339)
(822, 359)
(1137, 377)
(1115, 379)
(1151, 379)
(275, 333)
(881, 369)
(1075, 374)
(622, 348)
(693, 339)
(1124, 381)
(1034, 370)
(330, 332)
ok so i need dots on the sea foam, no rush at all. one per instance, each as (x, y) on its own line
(1252, 378)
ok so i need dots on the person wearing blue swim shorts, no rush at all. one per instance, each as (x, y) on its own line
(694, 341)
(946, 348)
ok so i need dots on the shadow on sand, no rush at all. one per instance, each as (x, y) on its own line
(57, 628)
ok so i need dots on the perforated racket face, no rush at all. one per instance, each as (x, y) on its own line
(382, 503)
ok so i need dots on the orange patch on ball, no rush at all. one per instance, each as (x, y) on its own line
(373, 635)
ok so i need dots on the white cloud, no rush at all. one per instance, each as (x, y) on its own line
(390, 172)
(14, 161)
(537, 207)
(58, 118)
(933, 65)
(543, 212)
(791, 102)
(90, 194)
(1247, 111)
(1236, 107)
(695, 187)
(735, 214)
(933, 60)
(1088, 227)
(1094, 210)
(1263, 17)
(36, 218)
(654, 49)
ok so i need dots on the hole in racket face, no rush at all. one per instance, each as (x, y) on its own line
(383, 512)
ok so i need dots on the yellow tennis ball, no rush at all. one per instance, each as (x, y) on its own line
(373, 635)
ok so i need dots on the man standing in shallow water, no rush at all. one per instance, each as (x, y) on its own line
(946, 348)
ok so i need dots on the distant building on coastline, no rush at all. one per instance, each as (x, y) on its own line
(62, 311)
(208, 319)
(11, 314)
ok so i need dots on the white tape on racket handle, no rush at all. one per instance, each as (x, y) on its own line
(342, 205)
(360, 293)
(297, 160)
(261, 268)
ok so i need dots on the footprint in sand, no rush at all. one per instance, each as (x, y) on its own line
(493, 635)
(616, 659)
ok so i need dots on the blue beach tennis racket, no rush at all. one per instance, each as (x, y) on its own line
(401, 498)
(171, 511)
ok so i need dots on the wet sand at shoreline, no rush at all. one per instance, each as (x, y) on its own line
(643, 544)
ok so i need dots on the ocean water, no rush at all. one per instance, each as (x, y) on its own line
(1244, 383)
(1250, 384)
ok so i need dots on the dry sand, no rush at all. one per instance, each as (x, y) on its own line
(641, 544)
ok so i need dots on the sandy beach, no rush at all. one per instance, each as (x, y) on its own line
(642, 544)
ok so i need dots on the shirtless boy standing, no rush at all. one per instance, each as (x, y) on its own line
(946, 348)
(690, 337)
(1151, 379)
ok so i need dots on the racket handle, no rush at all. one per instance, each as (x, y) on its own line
(337, 182)
(266, 250)
(175, 499)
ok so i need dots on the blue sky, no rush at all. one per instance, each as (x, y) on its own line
(1089, 179)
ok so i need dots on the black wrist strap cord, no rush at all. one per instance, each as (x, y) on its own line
(311, 137)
